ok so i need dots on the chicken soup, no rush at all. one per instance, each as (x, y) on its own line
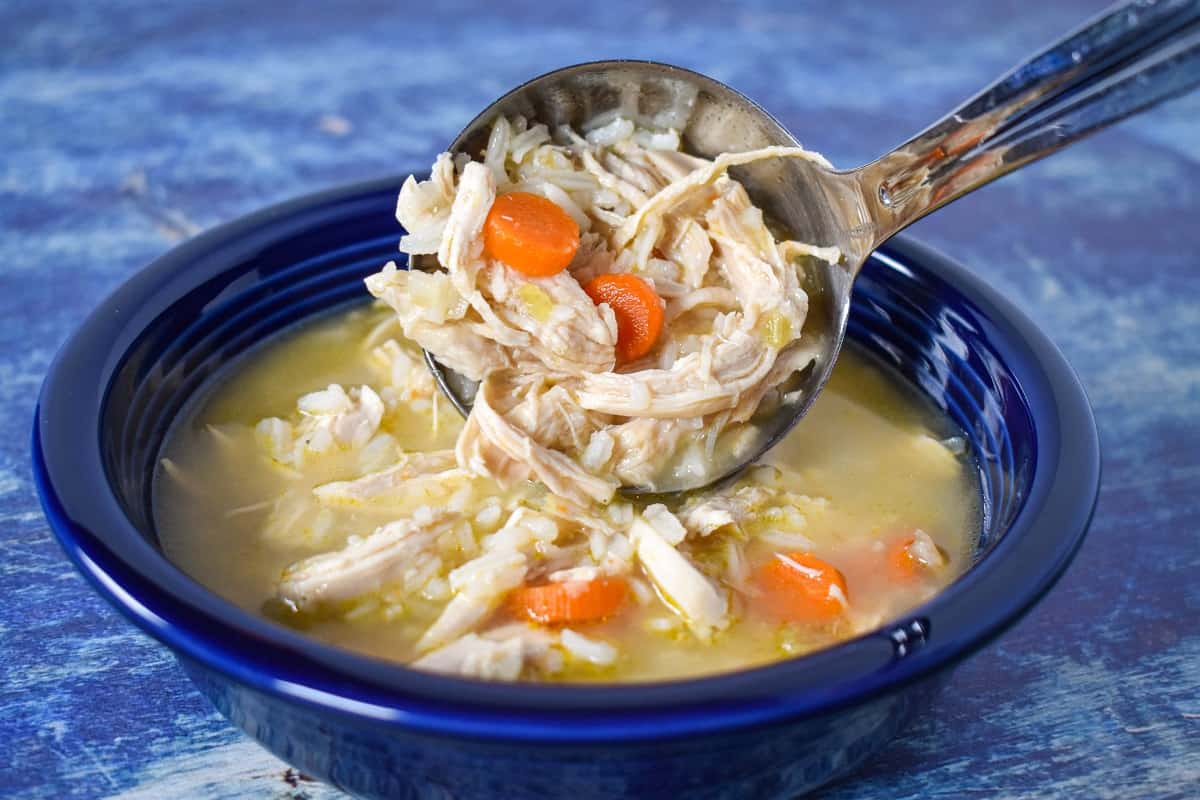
(374, 539)
(627, 313)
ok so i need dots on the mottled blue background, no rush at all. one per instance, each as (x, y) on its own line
(126, 127)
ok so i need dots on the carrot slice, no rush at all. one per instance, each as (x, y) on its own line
(570, 601)
(531, 234)
(638, 308)
(802, 588)
(900, 562)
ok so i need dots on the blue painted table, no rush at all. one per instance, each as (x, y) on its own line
(126, 128)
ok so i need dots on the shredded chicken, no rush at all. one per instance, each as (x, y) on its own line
(494, 439)
(711, 380)
(677, 220)
(480, 584)
(363, 565)
(686, 590)
(706, 515)
(459, 343)
(499, 654)
(329, 418)
(416, 475)
(574, 336)
(553, 404)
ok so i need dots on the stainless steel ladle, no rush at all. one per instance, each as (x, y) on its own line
(1127, 59)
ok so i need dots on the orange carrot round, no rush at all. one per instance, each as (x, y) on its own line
(531, 234)
(638, 308)
(569, 601)
(900, 562)
(800, 587)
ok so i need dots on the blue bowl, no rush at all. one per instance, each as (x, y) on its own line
(380, 730)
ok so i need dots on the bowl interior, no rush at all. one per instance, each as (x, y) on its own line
(119, 384)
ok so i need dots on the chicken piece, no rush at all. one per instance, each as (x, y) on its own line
(492, 446)
(330, 418)
(350, 418)
(496, 153)
(551, 417)
(528, 141)
(642, 445)
(539, 645)
(791, 251)
(480, 584)
(697, 384)
(582, 516)
(418, 476)
(760, 289)
(716, 296)
(699, 179)
(623, 188)
(461, 347)
(363, 565)
(750, 260)
(424, 206)
(566, 331)
(648, 181)
(498, 654)
(478, 455)
(737, 571)
(403, 370)
(674, 165)
(641, 249)
(561, 559)
(581, 648)
(418, 296)
(703, 516)
(604, 548)
(295, 519)
(592, 259)
(668, 526)
(793, 358)
(457, 343)
(666, 277)
(472, 656)
(357, 425)
(688, 245)
(682, 586)
(461, 250)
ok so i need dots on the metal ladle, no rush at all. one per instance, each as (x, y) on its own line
(1127, 59)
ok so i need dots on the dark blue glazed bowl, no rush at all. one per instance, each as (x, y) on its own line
(380, 730)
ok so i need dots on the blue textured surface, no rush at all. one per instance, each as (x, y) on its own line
(127, 128)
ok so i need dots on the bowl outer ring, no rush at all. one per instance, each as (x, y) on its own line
(129, 572)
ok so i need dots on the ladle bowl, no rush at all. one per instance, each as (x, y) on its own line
(1129, 58)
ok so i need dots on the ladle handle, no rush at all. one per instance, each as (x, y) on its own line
(1127, 59)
